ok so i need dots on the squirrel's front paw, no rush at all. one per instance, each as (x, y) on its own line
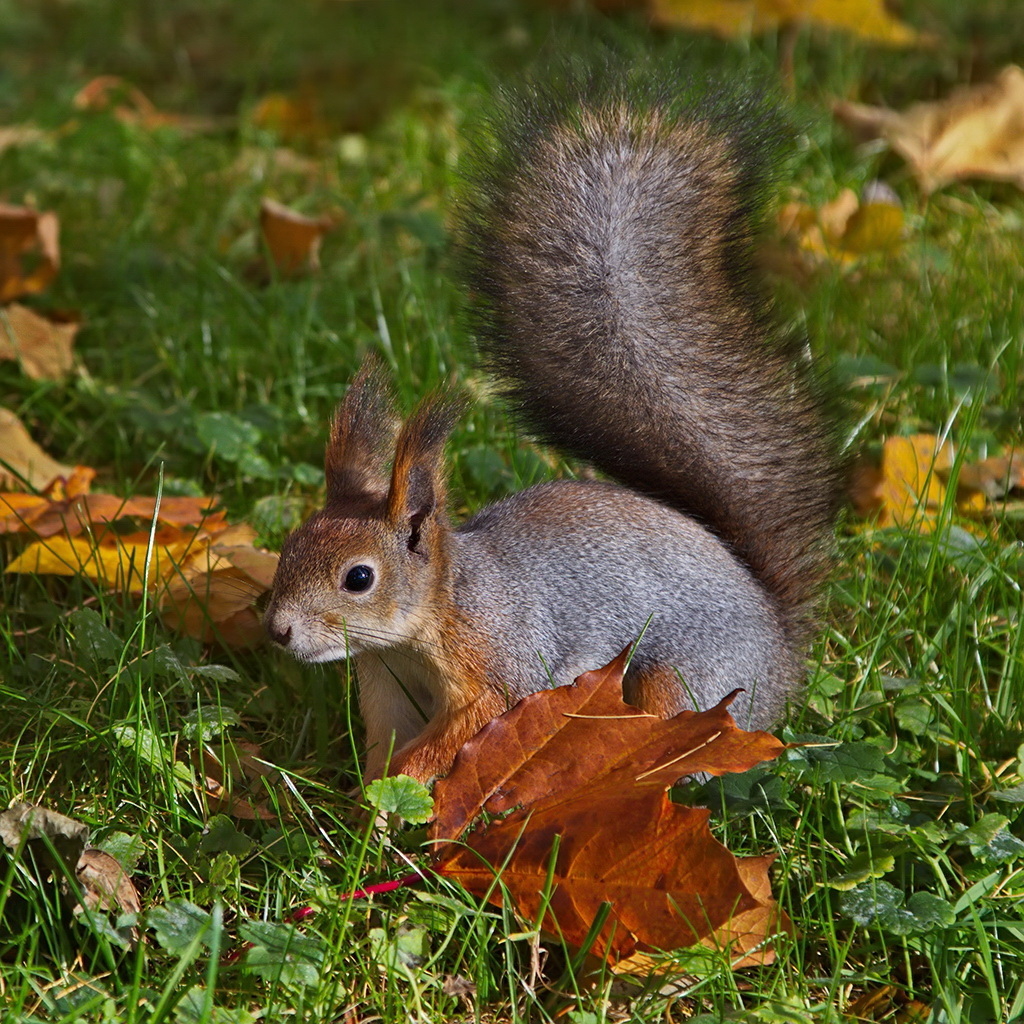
(422, 762)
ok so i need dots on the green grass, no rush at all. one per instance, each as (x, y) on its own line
(919, 676)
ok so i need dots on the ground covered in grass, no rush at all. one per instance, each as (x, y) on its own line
(898, 831)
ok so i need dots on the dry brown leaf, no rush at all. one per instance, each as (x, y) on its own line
(15, 135)
(75, 538)
(73, 511)
(914, 1012)
(867, 19)
(587, 774)
(22, 460)
(213, 595)
(24, 823)
(106, 886)
(131, 105)
(875, 1003)
(993, 477)
(42, 346)
(24, 513)
(65, 505)
(293, 239)
(29, 251)
(207, 572)
(58, 846)
(295, 118)
(977, 132)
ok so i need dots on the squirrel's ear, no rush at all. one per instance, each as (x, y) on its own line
(362, 430)
(418, 475)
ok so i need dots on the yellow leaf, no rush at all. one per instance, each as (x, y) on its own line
(977, 132)
(117, 563)
(873, 227)
(910, 490)
(867, 19)
(728, 18)
(843, 230)
(909, 479)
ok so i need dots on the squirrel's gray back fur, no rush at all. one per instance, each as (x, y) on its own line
(570, 596)
(610, 246)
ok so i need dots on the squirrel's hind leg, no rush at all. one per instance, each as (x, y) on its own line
(656, 689)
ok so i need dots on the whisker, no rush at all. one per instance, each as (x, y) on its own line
(242, 586)
(382, 636)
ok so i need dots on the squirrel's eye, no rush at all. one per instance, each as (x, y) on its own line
(359, 578)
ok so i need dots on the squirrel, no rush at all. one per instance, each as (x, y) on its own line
(610, 243)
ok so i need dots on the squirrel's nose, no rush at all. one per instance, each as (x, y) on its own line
(279, 633)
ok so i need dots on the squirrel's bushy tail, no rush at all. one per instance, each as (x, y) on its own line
(611, 251)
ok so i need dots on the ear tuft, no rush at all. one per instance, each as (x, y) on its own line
(362, 431)
(418, 476)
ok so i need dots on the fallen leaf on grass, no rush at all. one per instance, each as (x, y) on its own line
(993, 477)
(57, 847)
(41, 345)
(207, 590)
(866, 19)
(22, 461)
(743, 935)
(844, 230)
(587, 775)
(293, 117)
(105, 883)
(977, 132)
(212, 595)
(293, 239)
(909, 488)
(128, 103)
(76, 537)
(29, 251)
(887, 1002)
(26, 513)
(116, 561)
(14, 135)
(25, 823)
(66, 506)
(208, 573)
(131, 105)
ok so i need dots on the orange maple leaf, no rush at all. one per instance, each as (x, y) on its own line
(585, 777)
